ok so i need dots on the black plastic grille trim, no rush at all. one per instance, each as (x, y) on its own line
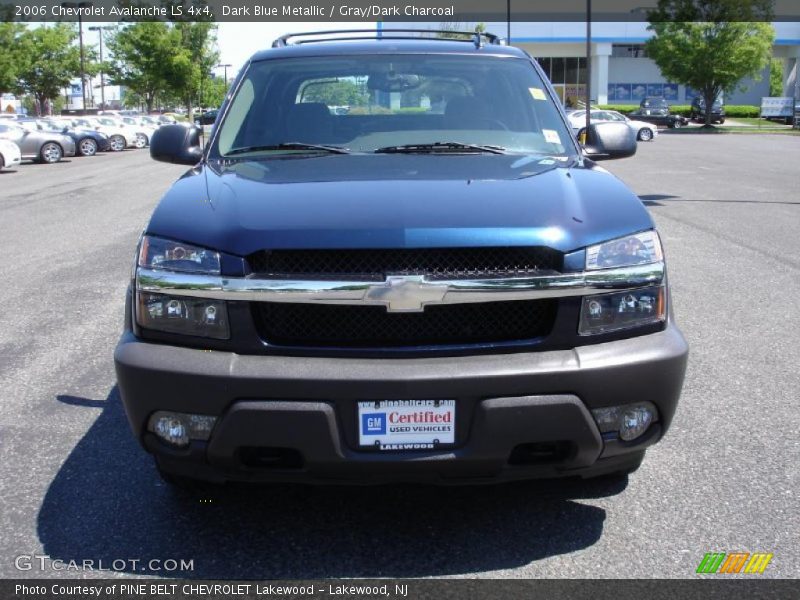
(436, 263)
(350, 326)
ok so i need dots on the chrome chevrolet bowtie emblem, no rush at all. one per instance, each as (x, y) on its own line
(406, 293)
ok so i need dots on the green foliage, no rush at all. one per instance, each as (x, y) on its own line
(214, 89)
(142, 55)
(734, 111)
(776, 77)
(336, 93)
(13, 56)
(711, 45)
(56, 61)
(170, 61)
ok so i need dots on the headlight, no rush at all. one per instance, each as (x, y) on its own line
(178, 314)
(638, 249)
(158, 253)
(622, 310)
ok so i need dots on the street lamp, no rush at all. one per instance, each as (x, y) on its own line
(225, 66)
(588, 67)
(80, 5)
(100, 29)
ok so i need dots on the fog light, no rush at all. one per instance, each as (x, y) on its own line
(178, 429)
(635, 421)
(629, 421)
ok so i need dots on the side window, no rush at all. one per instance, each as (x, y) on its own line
(236, 115)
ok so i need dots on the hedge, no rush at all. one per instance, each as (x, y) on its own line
(741, 111)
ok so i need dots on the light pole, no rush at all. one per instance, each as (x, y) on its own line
(80, 5)
(588, 66)
(225, 66)
(100, 29)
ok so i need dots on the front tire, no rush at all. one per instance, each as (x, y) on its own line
(141, 141)
(87, 147)
(116, 143)
(645, 134)
(50, 153)
(677, 124)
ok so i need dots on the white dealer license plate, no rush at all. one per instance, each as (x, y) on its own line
(406, 424)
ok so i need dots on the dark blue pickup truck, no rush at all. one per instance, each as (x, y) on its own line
(392, 261)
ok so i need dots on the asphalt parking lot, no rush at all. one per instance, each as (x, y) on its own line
(76, 486)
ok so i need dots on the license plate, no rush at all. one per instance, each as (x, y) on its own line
(406, 424)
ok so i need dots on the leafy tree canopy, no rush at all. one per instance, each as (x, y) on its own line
(712, 44)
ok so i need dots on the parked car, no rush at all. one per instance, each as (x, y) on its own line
(207, 118)
(698, 113)
(142, 127)
(167, 118)
(394, 294)
(118, 139)
(120, 135)
(644, 131)
(40, 146)
(657, 112)
(133, 132)
(10, 155)
(88, 142)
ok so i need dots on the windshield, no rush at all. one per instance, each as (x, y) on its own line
(413, 103)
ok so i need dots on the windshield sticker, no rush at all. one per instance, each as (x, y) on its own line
(537, 93)
(547, 161)
(551, 137)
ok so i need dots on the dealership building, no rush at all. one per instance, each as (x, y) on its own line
(621, 72)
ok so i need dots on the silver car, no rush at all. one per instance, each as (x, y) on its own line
(40, 146)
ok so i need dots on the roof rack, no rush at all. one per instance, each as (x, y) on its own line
(477, 38)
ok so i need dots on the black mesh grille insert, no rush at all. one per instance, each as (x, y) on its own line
(329, 325)
(436, 263)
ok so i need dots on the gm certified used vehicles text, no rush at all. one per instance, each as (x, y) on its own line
(439, 285)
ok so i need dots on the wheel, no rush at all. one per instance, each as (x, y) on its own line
(2, 162)
(87, 147)
(141, 141)
(721, 121)
(677, 124)
(51, 153)
(645, 134)
(117, 143)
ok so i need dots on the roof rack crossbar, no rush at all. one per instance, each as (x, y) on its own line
(443, 35)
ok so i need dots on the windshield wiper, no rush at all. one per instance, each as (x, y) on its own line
(290, 146)
(440, 147)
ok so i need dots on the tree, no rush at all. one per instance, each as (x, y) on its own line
(14, 56)
(56, 63)
(711, 45)
(143, 56)
(194, 57)
(776, 77)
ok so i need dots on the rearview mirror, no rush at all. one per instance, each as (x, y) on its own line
(606, 141)
(176, 144)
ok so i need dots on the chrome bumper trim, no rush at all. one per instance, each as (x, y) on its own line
(398, 293)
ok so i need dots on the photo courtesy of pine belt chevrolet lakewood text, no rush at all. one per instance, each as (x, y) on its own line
(392, 260)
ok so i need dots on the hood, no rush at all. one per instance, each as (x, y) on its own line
(397, 201)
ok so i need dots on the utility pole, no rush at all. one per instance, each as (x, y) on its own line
(508, 22)
(80, 5)
(588, 66)
(100, 29)
(225, 66)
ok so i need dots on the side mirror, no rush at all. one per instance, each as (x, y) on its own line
(176, 144)
(605, 141)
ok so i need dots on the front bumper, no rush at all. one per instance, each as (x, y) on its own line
(294, 419)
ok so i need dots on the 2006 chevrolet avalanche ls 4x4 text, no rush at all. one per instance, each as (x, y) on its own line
(392, 261)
